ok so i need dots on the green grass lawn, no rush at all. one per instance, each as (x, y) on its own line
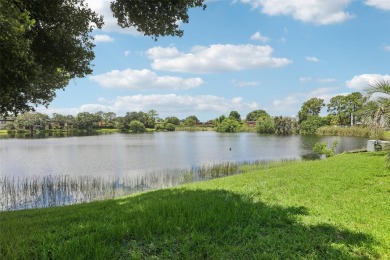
(338, 208)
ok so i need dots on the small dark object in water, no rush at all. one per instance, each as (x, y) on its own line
(230, 149)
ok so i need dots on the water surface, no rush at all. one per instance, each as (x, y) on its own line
(126, 154)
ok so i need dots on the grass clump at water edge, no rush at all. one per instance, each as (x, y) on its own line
(336, 208)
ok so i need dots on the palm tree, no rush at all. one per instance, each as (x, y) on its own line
(376, 110)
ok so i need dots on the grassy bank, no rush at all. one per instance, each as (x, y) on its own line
(336, 208)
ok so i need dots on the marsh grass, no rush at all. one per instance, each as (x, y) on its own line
(346, 131)
(18, 193)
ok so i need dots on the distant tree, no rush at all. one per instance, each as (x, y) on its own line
(31, 120)
(191, 121)
(310, 125)
(172, 120)
(311, 107)
(169, 127)
(219, 120)
(265, 125)
(122, 124)
(337, 108)
(86, 121)
(235, 115)
(354, 102)
(254, 115)
(137, 127)
(344, 108)
(143, 117)
(109, 119)
(153, 114)
(285, 125)
(229, 125)
(61, 120)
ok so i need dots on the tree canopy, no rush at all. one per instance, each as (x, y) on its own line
(154, 18)
(254, 115)
(312, 107)
(344, 108)
(45, 44)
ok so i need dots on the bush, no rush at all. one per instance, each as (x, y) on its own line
(309, 126)
(285, 125)
(229, 125)
(322, 149)
(136, 126)
(170, 127)
(265, 125)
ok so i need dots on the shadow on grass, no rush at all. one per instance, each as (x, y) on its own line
(223, 225)
(176, 224)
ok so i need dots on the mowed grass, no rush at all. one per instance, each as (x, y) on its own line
(338, 208)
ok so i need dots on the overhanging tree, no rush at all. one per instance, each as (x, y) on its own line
(45, 44)
(154, 18)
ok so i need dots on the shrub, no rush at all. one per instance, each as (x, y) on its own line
(309, 126)
(136, 126)
(229, 125)
(284, 125)
(322, 149)
(170, 127)
(265, 125)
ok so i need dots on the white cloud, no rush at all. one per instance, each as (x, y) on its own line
(127, 53)
(103, 38)
(319, 12)
(380, 4)
(312, 59)
(387, 47)
(143, 80)
(326, 80)
(162, 53)
(215, 58)
(291, 104)
(285, 104)
(243, 84)
(362, 81)
(258, 37)
(205, 107)
(325, 93)
(304, 79)
(102, 7)
(282, 40)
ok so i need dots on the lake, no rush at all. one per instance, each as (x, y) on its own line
(147, 160)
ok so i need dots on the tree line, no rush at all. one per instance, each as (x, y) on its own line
(343, 110)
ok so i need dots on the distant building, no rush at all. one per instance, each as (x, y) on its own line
(251, 123)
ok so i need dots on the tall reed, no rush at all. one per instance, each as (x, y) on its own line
(345, 131)
(47, 191)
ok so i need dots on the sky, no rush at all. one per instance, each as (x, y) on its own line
(239, 55)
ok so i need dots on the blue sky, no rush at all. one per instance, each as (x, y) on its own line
(238, 55)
